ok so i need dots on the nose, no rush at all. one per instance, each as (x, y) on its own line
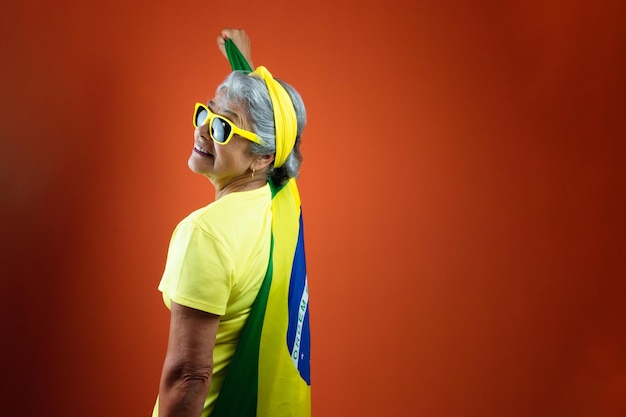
(202, 131)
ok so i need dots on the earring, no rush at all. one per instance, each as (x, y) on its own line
(253, 172)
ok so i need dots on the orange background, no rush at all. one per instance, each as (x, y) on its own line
(463, 191)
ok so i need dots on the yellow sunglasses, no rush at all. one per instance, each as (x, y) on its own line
(221, 129)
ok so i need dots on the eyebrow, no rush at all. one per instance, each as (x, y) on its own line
(227, 112)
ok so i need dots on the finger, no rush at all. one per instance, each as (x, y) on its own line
(228, 33)
(221, 45)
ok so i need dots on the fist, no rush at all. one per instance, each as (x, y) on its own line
(240, 39)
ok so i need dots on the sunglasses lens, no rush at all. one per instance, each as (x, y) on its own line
(201, 115)
(220, 130)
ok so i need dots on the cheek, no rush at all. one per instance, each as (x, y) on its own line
(236, 152)
(227, 157)
(240, 147)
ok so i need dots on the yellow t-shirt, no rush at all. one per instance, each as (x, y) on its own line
(216, 263)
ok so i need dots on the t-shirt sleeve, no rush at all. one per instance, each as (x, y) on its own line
(198, 272)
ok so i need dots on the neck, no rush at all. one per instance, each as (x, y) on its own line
(240, 184)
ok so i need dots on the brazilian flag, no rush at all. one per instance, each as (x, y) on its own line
(270, 375)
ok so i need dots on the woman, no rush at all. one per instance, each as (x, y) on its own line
(240, 261)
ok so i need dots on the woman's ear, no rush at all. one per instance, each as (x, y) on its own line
(262, 161)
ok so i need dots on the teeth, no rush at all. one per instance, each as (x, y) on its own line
(198, 147)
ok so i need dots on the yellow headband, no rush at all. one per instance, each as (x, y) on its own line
(284, 116)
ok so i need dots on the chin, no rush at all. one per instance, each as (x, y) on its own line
(196, 167)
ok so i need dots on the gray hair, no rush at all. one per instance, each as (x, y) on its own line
(239, 88)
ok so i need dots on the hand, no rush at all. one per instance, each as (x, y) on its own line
(240, 39)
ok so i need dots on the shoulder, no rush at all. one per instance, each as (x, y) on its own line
(230, 211)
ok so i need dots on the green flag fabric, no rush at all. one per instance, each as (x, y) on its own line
(235, 57)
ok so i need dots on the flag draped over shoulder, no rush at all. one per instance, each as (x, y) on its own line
(269, 375)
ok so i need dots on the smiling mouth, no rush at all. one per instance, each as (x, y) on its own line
(198, 149)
